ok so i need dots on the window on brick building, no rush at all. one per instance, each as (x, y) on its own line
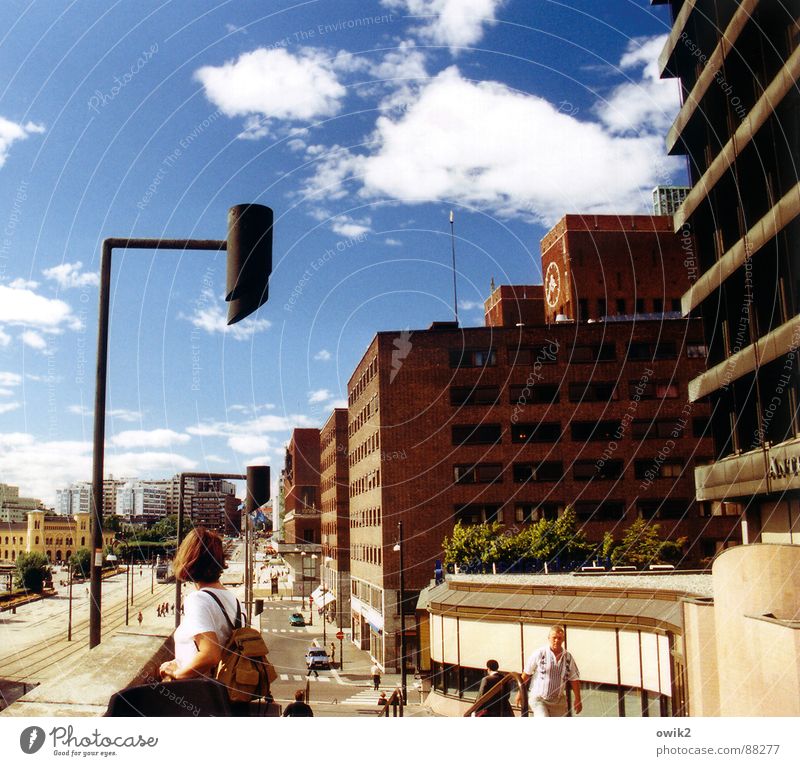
(490, 433)
(601, 307)
(608, 510)
(658, 306)
(538, 433)
(640, 305)
(604, 352)
(654, 429)
(696, 350)
(474, 395)
(701, 427)
(592, 392)
(655, 389)
(671, 508)
(653, 469)
(531, 355)
(480, 473)
(547, 470)
(621, 306)
(476, 513)
(539, 393)
(595, 430)
(588, 470)
(583, 308)
(472, 357)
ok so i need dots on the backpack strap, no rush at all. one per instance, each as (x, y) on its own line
(232, 625)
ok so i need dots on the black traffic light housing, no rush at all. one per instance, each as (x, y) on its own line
(257, 487)
(249, 264)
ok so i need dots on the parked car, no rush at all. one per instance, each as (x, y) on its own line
(317, 659)
(297, 620)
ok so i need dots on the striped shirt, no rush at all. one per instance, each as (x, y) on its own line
(549, 676)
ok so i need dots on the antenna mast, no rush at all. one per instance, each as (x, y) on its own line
(453, 247)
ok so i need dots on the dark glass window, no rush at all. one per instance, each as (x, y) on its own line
(655, 429)
(472, 357)
(654, 389)
(474, 395)
(548, 470)
(592, 392)
(481, 473)
(478, 513)
(539, 393)
(531, 355)
(605, 352)
(610, 510)
(477, 434)
(595, 430)
(539, 433)
(652, 469)
(587, 470)
(673, 508)
(621, 306)
(663, 350)
(701, 427)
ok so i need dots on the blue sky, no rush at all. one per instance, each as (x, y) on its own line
(361, 123)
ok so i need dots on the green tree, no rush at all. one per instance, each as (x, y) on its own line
(547, 539)
(472, 544)
(641, 545)
(80, 562)
(165, 529)
(112, 523)
(32, 570)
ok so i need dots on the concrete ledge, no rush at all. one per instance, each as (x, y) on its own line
(122, 660)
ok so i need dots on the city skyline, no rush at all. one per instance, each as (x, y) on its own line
(526, 113)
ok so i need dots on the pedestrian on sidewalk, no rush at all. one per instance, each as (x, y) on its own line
(140, 618)
(298, 708)
(382, 699)
(333, 653)
(499, 707)
(376, 676)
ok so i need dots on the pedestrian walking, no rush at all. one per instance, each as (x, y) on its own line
(376, 676)
(299, 708)
(551, 668)
(499, 706)
(333, 653)
(140, 618)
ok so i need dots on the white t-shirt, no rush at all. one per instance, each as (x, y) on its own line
(203, 615)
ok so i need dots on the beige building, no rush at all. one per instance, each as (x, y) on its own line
(727, 644)
(56, 536)
(14, 508)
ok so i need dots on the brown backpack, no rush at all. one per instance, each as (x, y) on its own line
(244, 669)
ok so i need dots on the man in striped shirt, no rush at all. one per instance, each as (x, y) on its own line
(551, 667)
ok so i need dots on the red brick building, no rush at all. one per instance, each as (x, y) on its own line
(513, 423)
(598, 266)
(301, 522)
(335, 512)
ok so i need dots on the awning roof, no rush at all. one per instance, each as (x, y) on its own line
(322, 597)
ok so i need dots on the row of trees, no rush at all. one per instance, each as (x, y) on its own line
(560, 543)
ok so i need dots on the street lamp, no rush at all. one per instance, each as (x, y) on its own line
(325, 561)
(249, 263)
(69, 620)
(398, 548)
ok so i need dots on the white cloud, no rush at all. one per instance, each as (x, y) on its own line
(10, 407)
(6, 392)
(5, 338)
(265, 85)
(319, 396)
(10, 379)
(323, 355)
(649, 104)
(128, 416)
(68, 275)
(41, 467)
(34, 340)
(209, 316)
(10, 132)
(494, 148)
(261, 425)
(455, 23)
(248, 444)
(346, 226)
(157, 438)
(392, 242)
(470, 305)
(23, 284)
(21, 306)
(250, 409)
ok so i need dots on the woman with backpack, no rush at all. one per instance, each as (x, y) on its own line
(204, 629)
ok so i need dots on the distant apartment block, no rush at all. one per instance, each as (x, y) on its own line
(301, 486)
(13, 508)
(667, 199)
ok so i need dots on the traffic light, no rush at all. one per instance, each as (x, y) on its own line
(249, 265)
(257, 487)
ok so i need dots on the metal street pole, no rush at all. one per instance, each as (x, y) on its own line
(324, 621)
(69, 621)
(402, 616)
(152, 577)
(132, 573)
(249, 263)
(127, 572)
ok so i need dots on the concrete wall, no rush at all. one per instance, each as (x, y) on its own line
(758, 655)
(702, 673)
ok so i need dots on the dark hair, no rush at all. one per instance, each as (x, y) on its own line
(493, 665)
(200, 557)
(299, 694)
